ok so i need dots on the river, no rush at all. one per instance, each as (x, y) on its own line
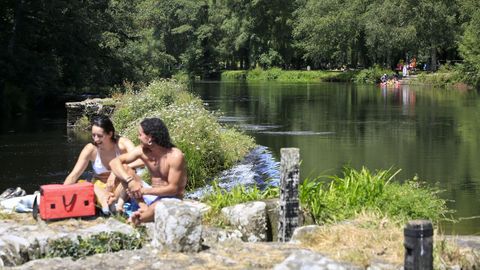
(430, 132)
(433, 133)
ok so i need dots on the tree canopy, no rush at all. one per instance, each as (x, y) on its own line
(51, 47)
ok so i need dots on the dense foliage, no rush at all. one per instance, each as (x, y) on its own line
(52, 47)
(357, 191)
(209, 147)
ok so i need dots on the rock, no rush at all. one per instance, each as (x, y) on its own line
(466, 241)
(308, 260)
(213, 236)
(21, 242)
(301, 233)
(202, 207)
(250, 219)
(273, 214)
(239, 255)
(89, 108)
(177, 226)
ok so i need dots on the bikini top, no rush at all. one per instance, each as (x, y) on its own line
(98, 166)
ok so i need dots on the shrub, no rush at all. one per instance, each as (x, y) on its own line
(357, 191)
(446, 75)
(234, 75)
(371, 75)
(277, 74)
(208, 147)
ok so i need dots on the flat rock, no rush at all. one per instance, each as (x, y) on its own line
(23, 238)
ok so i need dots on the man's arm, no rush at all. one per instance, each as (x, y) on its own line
(116, 164)
(176, 174)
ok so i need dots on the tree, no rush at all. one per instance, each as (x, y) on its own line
(436, 25)
(470, 49)
(328, 31)
(389, 30)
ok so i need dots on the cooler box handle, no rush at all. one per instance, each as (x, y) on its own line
(71, 201)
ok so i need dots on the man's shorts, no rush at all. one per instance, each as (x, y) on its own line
(150, 199)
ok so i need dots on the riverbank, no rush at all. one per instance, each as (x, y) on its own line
(445, 76)
(276, 74)
(362, 243)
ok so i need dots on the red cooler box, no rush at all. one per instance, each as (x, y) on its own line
(66, 201)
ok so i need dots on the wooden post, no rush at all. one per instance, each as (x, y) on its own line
(418, 244)
(289, 201)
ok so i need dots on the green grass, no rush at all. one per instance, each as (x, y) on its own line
(208, 147)
(340, 198)
(336, 198)
(277, 74)
(446, 75)
(220, 198)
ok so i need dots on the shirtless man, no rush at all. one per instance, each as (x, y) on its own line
(165, 163)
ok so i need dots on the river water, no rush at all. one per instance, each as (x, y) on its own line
(432, 133)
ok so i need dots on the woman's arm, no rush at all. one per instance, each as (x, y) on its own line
(81, 165)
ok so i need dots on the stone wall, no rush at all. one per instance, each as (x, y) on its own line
(89, 108)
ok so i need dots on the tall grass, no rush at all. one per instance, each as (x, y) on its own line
(208, 147)
(356, 191)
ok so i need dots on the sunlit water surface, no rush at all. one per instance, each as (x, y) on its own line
(432, 133)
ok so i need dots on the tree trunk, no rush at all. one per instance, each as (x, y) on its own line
(16, 22)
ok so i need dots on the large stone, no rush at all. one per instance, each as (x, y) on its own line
(304, 232)
(308, 260)
(89, 108)
(177, 226)
(250, 219)
(213, 236)
(27, 240)
(273, 214)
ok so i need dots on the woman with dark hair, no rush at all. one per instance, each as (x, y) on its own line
(105, 147)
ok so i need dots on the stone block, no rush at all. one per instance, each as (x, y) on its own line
(250, 219)
(177, 226)
(303, 232)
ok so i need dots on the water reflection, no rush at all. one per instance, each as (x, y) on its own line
(400, 95)
(432, 133)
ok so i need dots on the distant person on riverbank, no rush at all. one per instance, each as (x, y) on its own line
(165, 163)
(105, 147)
(405, 70)
(384, 78)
